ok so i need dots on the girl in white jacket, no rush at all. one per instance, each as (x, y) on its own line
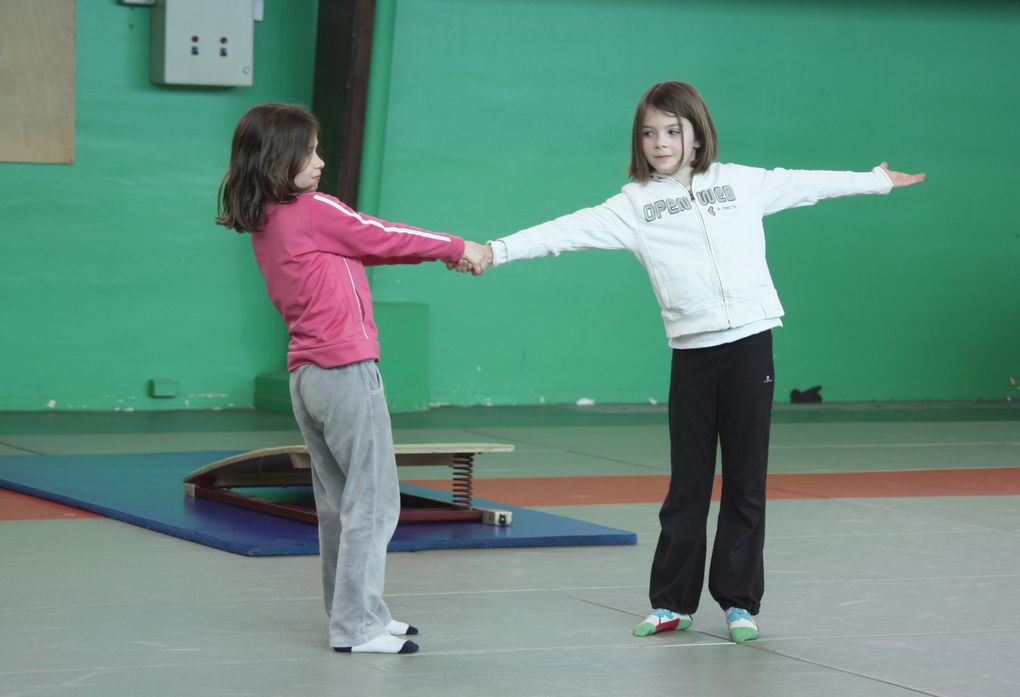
(696, 226)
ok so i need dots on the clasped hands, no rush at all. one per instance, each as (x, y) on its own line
(477, 258)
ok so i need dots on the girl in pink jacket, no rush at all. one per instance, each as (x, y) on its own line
(312, 250)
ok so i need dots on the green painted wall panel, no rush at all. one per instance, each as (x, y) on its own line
(112, 271)
(505, 113)
(404, 364)
(509, 112)
(404, 356)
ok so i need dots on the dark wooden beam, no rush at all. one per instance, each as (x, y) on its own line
(343, 52)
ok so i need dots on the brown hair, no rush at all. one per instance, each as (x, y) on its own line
(269, 149)
(681, 100)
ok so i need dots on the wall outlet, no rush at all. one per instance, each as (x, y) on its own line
(202, 42)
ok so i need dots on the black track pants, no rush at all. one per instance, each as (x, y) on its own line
(718, 394)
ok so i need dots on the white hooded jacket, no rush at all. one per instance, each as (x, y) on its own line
(703, 247)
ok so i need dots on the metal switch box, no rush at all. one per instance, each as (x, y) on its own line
(202, 42)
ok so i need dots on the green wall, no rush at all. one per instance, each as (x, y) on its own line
(505, 113)
(111, 270)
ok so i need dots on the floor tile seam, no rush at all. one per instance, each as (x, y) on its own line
(776, 476)
(573, 648)
(587, 601)
(812, 638)
(95, 670)
(898, 579)
(766, 640)
(874, 503)
(315, 599)
(762, 645)
(806, 446)
(574, 452)
(152, 430)
(549, 448)
(941, 471)
(563, 590)
(167, 602)
(501, 591)
(799, 499)
(972, 530)
(899, 469)
(24, 451)
(309, 598)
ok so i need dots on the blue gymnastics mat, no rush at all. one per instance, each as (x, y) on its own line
(147, 490)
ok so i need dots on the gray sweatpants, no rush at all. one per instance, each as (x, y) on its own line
(345, 423)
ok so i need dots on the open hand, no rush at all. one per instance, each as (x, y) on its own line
(899, 179)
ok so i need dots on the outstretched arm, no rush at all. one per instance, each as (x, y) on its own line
(899, 178)
(337, 228)
(780, 189)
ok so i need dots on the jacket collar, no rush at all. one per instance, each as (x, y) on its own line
(663, 179)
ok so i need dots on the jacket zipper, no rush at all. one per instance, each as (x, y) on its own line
(711, 253)
(361, 306)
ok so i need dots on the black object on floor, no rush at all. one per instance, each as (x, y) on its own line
(812, 395)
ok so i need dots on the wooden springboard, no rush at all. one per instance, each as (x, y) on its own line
(291, 466)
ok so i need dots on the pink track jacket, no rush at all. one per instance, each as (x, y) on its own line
(313, 254)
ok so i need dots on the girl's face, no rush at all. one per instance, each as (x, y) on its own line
(308, 178)
(668, 143)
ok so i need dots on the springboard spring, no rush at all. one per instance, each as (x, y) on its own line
(463, 479)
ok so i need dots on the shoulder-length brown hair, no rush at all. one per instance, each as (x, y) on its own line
(681, 100)
(269, 149)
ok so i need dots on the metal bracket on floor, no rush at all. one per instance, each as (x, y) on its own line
(500, 518)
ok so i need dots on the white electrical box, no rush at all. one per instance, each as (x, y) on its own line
(202, 42)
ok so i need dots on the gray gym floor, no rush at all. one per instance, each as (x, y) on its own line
(876, 597)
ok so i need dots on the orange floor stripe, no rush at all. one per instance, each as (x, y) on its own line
(14, 506)
(580, 491)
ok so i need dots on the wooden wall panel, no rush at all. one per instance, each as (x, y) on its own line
(37, 80)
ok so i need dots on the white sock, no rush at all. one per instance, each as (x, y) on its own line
(383, 644)
(397, 628)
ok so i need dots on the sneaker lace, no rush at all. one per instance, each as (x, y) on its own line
(737, 613)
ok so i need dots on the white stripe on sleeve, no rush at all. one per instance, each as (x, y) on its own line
(388, 228)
